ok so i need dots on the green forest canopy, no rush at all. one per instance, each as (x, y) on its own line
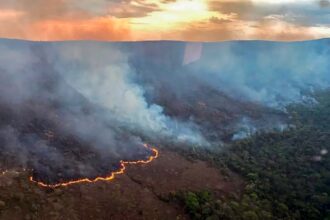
(287, 173)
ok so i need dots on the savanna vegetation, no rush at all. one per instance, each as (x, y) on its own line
(287, 173)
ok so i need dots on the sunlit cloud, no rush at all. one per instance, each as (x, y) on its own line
(8, 14)
(177, 13)
(202, 20)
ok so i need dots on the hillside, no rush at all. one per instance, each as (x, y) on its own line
(241, 130)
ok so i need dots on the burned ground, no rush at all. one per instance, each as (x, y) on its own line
(137, 194)
(39, 129)
(56, 131)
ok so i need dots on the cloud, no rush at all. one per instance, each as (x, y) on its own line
(135, 20)
(89, 29)
(64, 9)
(270, 28)
(57, 20)
(276, 29)
(70, 19)
(218, 20)
(39, 9)
(129, 10)
(103, 28)
(302, 13)
(241, 8)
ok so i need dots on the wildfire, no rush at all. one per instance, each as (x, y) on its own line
(107, 178)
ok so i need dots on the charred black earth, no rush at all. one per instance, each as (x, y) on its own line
(41, 131)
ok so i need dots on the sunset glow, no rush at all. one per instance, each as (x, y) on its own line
(196, 20)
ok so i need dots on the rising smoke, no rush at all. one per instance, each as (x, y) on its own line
(63, 101)
(103, 75)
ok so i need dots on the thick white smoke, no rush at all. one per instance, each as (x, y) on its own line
(103, 75)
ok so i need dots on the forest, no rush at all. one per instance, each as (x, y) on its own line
(286, 174)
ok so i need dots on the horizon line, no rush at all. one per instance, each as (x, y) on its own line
(174, 41)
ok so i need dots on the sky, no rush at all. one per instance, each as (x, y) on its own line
(187, 20)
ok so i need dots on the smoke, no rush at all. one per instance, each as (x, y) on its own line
(103, 75)
(46, 125)
(75, 109)
(232, 80)
(245, 129)
(274, 74)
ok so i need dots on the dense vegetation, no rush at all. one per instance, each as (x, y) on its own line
(287, 173)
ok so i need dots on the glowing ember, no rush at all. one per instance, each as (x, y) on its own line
(107, 178)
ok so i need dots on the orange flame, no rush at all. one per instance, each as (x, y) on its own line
(107, 178)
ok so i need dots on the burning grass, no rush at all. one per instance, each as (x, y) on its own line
(109, 177)
(122, 167)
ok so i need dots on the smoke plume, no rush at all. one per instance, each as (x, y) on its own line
(75, 109)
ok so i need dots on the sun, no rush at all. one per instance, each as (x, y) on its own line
(188, 6)
(176, 13)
